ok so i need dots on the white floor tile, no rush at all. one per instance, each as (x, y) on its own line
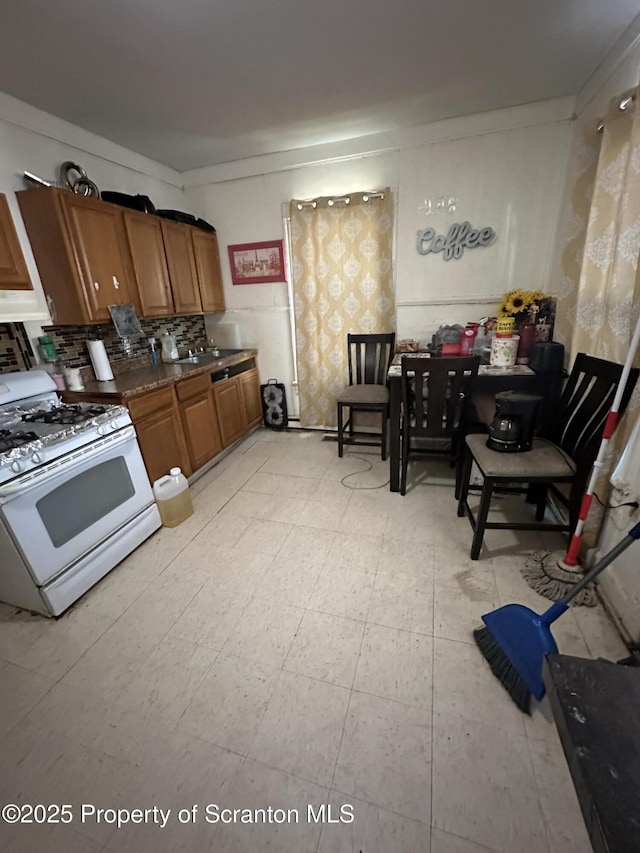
(370, 828)
(301, 730)
(264, 632)
(342, 592)
(456, 615)
(166, 682)
(257, 786)
(229, 704)
(48, 768)
(355, 551)
(21, 690)
(307, 545)
(185, 771)
(484, 788)
(565, 827)
(50, 646)
(402, 600)
(326, 647)
(443, 842)
(385, 756)
(396, 665)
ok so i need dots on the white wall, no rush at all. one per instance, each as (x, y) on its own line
(506, 170)
(34, 141)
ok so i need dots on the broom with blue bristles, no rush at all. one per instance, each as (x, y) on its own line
(515, 639)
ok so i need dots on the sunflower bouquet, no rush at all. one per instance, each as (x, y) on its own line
(518, 303)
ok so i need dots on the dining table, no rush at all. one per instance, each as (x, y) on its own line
(489, 381)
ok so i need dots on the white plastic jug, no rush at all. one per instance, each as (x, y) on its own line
(173, 498)
(169, 348)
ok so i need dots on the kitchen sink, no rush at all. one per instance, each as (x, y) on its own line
(208, 357)
(199, 358)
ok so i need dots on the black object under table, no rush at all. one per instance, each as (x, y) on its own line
(596, 707)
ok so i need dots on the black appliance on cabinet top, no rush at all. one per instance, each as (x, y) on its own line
(513, 426)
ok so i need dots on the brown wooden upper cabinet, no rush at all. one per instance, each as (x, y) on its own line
(149, 263)
(182, 267)
(205, 249)
(81, 252)
(13, 269)
(92, 254)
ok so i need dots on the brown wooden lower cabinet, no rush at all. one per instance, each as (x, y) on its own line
(251, 398)
(188, 424)
(156, 418)
(228, 402)
(199, 421)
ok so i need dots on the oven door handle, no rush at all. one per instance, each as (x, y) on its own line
(60, 466)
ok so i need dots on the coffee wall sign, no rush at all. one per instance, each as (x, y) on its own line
(459, 237)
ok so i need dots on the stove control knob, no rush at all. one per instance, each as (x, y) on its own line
(114, 425)
(16, 467)
(36, 458)
(100, 430)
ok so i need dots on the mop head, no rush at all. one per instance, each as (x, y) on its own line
(545, 574)
(503, 669)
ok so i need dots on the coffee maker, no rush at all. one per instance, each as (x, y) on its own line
(513, 426)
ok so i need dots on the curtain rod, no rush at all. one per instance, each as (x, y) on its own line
(625, 102)
(343, 199)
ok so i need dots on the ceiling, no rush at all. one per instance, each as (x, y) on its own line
(194, 83)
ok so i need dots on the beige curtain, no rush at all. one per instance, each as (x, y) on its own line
(601, 271)
(342, 282)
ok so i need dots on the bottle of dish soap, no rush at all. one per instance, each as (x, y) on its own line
(169, 348)
(173, 498)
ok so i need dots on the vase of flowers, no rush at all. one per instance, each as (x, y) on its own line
(522, 306)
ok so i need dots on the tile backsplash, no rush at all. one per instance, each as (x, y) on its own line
(15, 349)
(71, 346)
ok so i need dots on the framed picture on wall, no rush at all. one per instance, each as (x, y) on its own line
(257, 263)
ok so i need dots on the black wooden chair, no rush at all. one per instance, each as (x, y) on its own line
(369, 360)
(435, 400)
(565, 455)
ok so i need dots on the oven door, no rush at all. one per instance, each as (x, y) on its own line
(62, 511)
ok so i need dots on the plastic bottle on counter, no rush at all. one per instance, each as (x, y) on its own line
(169, 348)
(173, 498)
(47, 349)
(468, 337)
(59, 368)
(155, 358)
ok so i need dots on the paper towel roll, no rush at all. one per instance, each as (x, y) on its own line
(100, 361)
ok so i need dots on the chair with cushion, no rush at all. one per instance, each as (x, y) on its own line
(369, 360)
(564, 456)
(435, 399)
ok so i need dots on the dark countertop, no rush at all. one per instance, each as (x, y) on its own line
(142, 379)
(596, 707)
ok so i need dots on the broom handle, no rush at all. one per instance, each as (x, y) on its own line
(571, 557)
(562, 605)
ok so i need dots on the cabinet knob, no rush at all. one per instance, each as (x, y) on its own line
(116, 283)
(96, 285)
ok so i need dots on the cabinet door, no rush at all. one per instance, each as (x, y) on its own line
(205, 248)
(200, 429)
(13, 269)
(149, 263)
(100, 249)
(250, 395)
(230, 411)
(162, 444)
(182, 267)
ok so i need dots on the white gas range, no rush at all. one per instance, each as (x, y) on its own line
(75, 498)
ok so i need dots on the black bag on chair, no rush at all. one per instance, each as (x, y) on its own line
(274, 404)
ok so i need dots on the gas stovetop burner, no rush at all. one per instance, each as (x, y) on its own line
(9, 439)
(64, 414)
